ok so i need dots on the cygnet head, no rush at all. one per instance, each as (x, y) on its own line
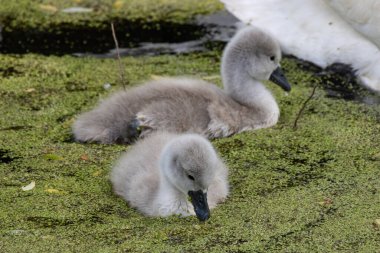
(253, 53)
(190, 164)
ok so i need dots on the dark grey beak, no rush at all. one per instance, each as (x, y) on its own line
(199, 201)
(279, 78)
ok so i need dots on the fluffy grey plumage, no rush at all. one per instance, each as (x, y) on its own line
(159, 172)
(191, 105)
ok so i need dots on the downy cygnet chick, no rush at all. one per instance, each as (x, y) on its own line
(321, 31)
(191, 105)
(158, 174)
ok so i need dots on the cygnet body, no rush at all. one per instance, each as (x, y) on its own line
(158, 174)
(321, 31)
(192, 105)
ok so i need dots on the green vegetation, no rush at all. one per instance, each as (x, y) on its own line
(314, 189)
(53, 27)
(311, 189)
(47, 14)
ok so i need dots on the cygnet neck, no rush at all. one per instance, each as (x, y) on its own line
(167, 187)
(244, 89)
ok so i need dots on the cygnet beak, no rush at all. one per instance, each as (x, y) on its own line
(199, 201)
(279, 78)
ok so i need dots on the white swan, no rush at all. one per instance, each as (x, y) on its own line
(321, 31)
(363, 15)
(159, 173)
(192, 105)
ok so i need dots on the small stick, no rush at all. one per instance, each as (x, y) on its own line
(121, 72)
(303, 107)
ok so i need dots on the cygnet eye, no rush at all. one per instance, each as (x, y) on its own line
(191, 177)
(272, 58)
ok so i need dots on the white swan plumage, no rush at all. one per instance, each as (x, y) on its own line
(321, 31)
(364, 16)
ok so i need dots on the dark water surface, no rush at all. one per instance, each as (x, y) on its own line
(133, 38)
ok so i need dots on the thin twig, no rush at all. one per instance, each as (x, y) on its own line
(304, 106)
(121, 72)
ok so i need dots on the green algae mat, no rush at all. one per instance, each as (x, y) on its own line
(310, 188)
(45, 14)
(315, 188)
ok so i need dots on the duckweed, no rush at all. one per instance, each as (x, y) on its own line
(311, 189)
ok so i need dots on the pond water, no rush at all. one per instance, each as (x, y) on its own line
(208, 32)
(134, 39)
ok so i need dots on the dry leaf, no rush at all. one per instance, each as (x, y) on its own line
(48, 8)
(376, 157)
(376, 223)
(29, 186)
(51, 190)
(97, 173)
(30, 90)
(118, 4)
(157, 77)
(326, 202)
(84, 157)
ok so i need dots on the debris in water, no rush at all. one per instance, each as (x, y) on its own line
(29, 186)
(107, 86)
(376, 223)
(48, 8)
(326, 202)
(77, 10)
(51, 190)
(84, 157)
(30, 90)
